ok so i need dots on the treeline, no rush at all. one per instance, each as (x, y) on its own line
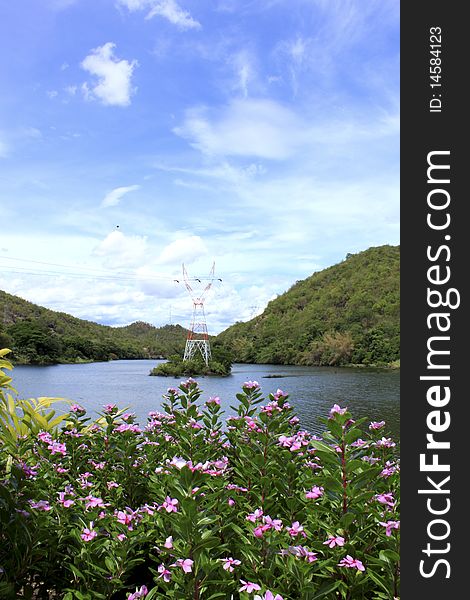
(220, 364)
(37, 335)
(345, 314)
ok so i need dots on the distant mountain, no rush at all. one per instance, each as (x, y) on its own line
(345, 314)
(39, 335)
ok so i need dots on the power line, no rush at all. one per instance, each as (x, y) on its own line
(87, 273)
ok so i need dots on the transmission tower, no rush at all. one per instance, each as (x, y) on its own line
(198, 338)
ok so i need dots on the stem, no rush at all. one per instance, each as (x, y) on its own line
(343, 470)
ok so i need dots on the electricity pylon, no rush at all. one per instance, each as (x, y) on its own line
(198, 337)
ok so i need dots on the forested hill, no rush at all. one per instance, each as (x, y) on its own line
(38, 335)
(345, 314)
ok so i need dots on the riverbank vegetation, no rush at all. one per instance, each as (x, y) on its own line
(220, 365)
(41, 336)
(196, 505)
(346, 314)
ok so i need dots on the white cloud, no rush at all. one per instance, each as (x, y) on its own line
(52, 94)
(60, 4)
(168, 9)
(223, 172)
(185, 250)
(242, 63)
(119, 250)
(114, 196)
(261, 128)
(31, 132)
(159, 284)
(114, 76)
(3, 147)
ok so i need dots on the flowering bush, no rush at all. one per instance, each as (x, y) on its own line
(190, 506)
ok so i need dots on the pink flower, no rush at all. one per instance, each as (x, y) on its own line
(311, 556)
(188, 383)
(248, 586)
(127, 416)
(27, 470)
(259, 531)
(388, 471)
(178, 462)
(140, 593)
(231, 502)
(186, 564)
(385, 443)
(351, 563)
(213, 400)
(280, 394)
(272, 523)
(315, 492)
(301, 552)
(40, 505)
(296, 529)
(377, 425)
(336, 409)
(65, 503)
(76, 408)
(92, 502)
(387, 499)
(170, 505)
(112, 484)
(333, 541)
(127, 427)
(229, 563)
(255, 515)
(359, 443)
(164, 572)
(270, 596)
(251, 385)
(168, 542)
(125, 518)
(88, 533)
(57, 448)
(121, 537)
(110, 408)
(45, 437)
(389, 525)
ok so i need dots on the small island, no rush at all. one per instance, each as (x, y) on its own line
(220, 365)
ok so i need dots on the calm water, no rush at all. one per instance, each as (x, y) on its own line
(313, 390)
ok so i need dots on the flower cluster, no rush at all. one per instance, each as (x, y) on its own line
(192, 506)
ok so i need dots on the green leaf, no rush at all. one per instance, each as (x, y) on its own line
(347, 519)
(353, 435)
(333, 485)
(326, 589)
(77, 573)
(379, 580)
(363, 478)
(389, 554)
(318, 445)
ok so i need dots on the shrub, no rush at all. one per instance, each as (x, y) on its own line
(190, 506)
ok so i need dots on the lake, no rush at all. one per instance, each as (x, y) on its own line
(313, 390)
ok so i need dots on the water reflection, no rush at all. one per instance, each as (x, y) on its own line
(313, 390)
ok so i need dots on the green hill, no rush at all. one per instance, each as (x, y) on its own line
(345, 314)
(38, 335)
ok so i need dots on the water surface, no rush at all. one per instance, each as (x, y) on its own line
(313, 390)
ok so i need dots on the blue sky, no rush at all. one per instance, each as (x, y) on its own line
(136, 135)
